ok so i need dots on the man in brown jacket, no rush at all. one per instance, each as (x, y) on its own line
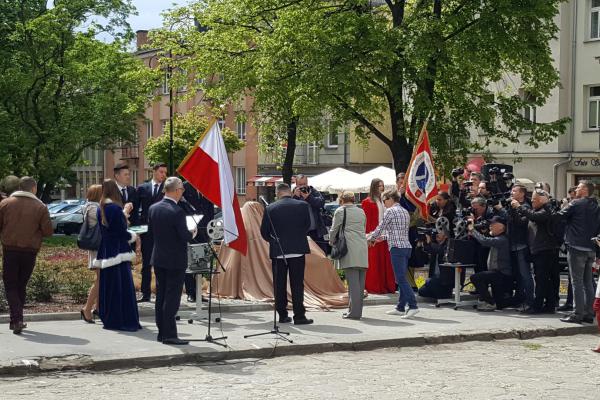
(24, 221)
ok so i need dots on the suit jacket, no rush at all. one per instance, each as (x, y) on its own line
(146, 199)
(132, 197)
(291, 220)
(167, 225)
(195, 203)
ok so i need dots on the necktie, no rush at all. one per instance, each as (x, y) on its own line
(124, 191)
(155, 190)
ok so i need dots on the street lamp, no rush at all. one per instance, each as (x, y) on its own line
(169, 72)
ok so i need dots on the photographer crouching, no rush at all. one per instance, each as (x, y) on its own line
(544, 251)
(499, 269)
(440, 283)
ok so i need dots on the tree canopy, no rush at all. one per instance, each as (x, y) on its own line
(386, 66)
(62, 90)
(186, 130)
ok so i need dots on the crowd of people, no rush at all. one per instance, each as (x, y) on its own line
(514, 238)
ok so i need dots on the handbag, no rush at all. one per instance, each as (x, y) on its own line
(340, 248)
(89, 238)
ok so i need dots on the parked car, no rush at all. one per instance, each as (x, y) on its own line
(67, 218)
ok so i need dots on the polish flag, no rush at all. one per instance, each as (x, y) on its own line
(207, 169)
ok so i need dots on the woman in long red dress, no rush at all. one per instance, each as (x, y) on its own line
(380, 276)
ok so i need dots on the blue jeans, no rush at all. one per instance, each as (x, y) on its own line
(400, 266)
(525, 282)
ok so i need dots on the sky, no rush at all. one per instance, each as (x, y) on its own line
(149, 13)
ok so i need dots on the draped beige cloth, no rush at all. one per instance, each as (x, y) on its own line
(250, 277)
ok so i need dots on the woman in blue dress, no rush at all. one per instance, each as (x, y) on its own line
(118, 307)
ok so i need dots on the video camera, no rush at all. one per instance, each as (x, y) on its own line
(423, 231)
(503, 199)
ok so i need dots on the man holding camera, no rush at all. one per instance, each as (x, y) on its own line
(582, 218)
(315, 200)
(518, 234)
(499, 270)
(481, 216)
(544, 251)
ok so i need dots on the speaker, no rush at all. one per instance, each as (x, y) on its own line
(461, 251)
(485, 170)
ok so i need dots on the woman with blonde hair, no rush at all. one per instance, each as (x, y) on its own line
(380, 275)
(351, 220)
(117, 303)
(90, 217)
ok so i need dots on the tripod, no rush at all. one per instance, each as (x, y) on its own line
(208, 338)
(275, 331)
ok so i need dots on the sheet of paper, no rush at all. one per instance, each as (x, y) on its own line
(192, 221)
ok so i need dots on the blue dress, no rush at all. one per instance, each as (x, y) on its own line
(118, 307)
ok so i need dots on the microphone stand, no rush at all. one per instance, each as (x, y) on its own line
(275, 331)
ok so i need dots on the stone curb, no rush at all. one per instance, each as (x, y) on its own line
(84, 362)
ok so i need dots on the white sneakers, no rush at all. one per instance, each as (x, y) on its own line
(407, 314)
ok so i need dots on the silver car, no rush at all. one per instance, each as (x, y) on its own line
(67, 218)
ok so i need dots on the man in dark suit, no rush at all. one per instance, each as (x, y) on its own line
(149, 193)
(128, 192)
(194, 203)
(167, 224)
(290, 220)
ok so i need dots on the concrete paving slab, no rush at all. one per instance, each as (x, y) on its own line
(53, 345)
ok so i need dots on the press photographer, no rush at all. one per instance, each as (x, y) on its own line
(499, 270)
(519, 246)
(467, 190)
(500, 180)
(316, 202)
(543, 247)
(441, 279)
(482, 213)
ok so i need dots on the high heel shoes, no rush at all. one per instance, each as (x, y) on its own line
(89, 321)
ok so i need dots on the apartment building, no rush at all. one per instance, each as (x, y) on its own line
(576, 154)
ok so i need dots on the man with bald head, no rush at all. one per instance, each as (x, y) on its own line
(543, 247)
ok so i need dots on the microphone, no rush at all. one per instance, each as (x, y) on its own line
(264, 201)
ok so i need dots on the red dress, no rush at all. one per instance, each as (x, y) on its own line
(380, 276)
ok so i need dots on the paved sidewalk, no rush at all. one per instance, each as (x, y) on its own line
(51, 345)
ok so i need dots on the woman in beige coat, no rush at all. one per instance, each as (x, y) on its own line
(356, 261)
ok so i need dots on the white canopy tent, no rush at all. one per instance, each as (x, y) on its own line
(338, 177)
(363, 183)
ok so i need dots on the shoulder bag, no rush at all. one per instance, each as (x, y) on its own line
(340, 248)
(89, 236)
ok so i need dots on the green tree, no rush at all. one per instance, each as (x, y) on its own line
(238, 53)
(187, 129)
(384, 63)
(61, 89)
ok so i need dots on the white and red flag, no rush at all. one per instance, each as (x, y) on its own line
(206, 167)
(421, 184)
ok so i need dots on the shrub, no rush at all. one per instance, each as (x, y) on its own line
(42, 285)
(77, 288)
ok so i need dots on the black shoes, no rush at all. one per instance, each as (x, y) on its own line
(88, 320)
(191, 299)
(285, 320)
(303, 321)
(572, 318)
(159, 338)
(143, 299)
(565, 307)
(175, 341)
(588, 320)
(18, 327)
(530, 311)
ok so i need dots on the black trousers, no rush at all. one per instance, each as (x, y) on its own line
(547, 278)
(295, 266)
(190, 285)
(16, 271)
(169, 285)
(499, 282)
(147, 245)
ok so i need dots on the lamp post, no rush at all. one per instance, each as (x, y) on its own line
(169, 72)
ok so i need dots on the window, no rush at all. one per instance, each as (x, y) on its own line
(333, 135)
(241, 130)
(165, 85)
(148, 130)
(240, 180)
(594, 107)
(312, 153)
(221, 123)
(529, 111)
(595, 20)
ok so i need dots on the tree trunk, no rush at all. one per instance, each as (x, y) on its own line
(288, 164)
(401, 153)
(44, 190)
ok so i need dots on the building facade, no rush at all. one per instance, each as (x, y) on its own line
(575, 155)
